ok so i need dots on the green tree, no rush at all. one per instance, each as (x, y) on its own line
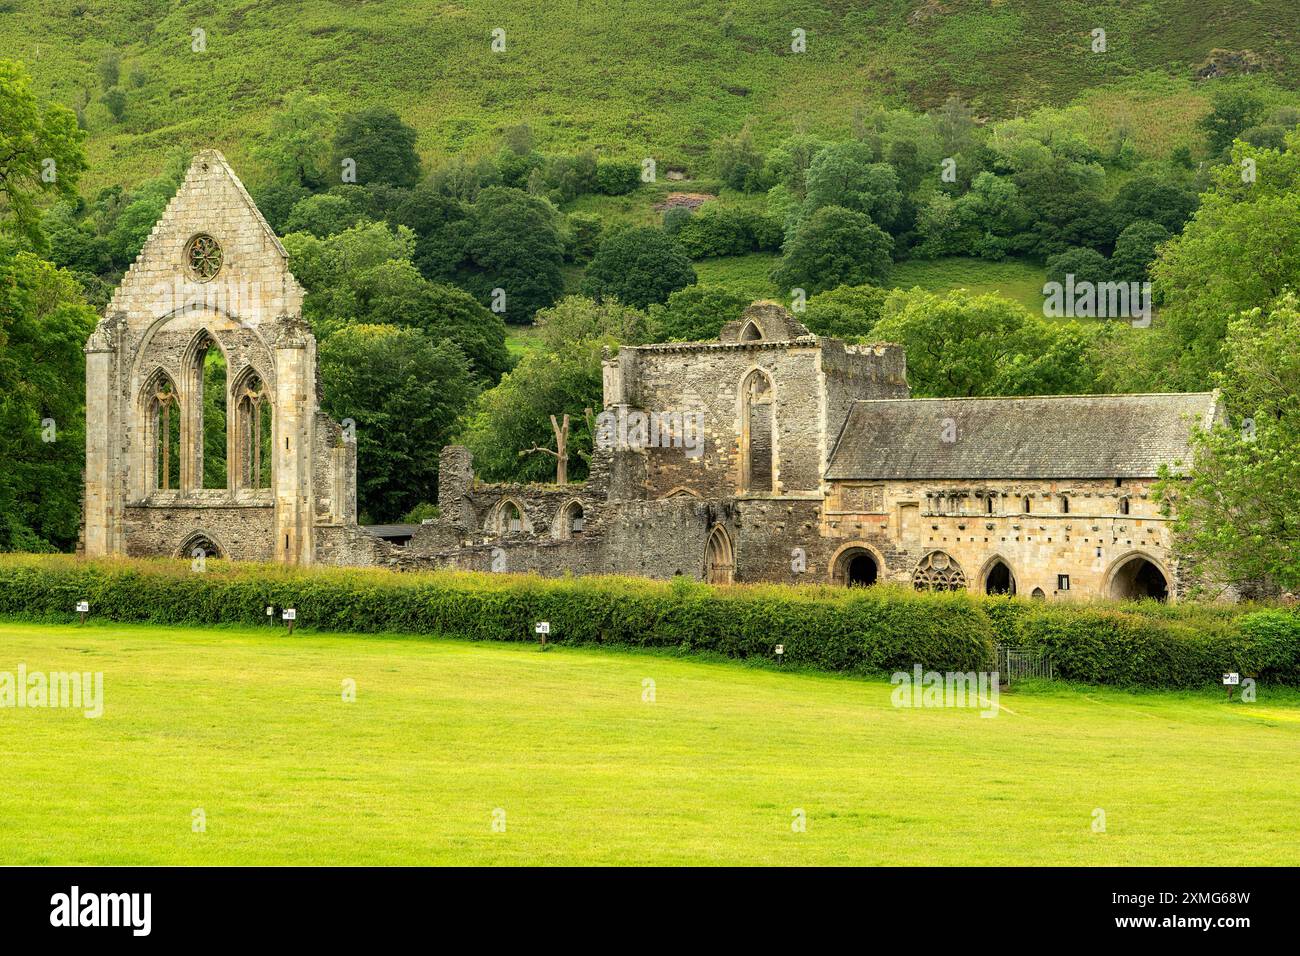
(576, 318)
(276, 201)
(963, 345)
(836, 246)
(1239, 252)
(1135, 250)
(513, 245)
(327, 267)
(845, 175)
(394, 293)
(695, 314)
(381, 145)
(515, 415)
(442, 227)
(617, 177)
(323, 215)
(109, 69)
(43, 326)
(1231, 111)
(846, 312)
(41, 154)
(738, 162)
(114, 101)
(1086, 265)
(1235, 501)
(789, 162)
(1155, 199)
(296, 149)
(638, 266)
(404, 392)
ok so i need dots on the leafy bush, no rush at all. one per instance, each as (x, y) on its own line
(860, 631)
(1112, 645)
(615, 177)
(727, 231)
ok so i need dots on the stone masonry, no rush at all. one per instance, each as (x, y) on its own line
(771, 454)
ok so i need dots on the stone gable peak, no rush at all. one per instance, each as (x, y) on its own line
(249, 265)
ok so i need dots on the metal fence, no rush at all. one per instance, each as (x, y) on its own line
(1017, 663)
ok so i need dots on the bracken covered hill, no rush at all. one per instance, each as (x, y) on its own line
(624, 77)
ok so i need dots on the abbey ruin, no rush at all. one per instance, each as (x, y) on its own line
(771, 454)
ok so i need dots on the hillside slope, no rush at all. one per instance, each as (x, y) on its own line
(627, 77)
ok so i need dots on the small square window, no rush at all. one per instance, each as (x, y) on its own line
(1062, 582)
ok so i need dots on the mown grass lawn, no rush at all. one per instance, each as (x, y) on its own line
(251, 728)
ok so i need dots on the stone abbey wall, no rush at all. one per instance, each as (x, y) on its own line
(211, 276)
(713, 459)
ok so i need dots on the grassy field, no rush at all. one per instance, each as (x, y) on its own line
(584, 75)
(1015, 279)
(250, 727)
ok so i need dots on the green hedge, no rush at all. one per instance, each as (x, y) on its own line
(831, 629)
(858, 631)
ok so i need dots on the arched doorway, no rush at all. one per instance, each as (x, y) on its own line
(1135, 578)
(200, 544)
(719, 557)
(855, 566)
(998, 579)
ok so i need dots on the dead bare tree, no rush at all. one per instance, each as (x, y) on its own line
(560, 453)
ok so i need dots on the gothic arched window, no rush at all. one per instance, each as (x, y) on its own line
(163, 421)
(937, 571)
(757, 433)
(252, 433)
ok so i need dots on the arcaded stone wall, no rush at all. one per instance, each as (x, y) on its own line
(903, 521)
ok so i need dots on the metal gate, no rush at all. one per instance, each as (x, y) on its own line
(1017, 663)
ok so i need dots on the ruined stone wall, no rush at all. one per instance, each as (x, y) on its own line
(655, 539)
(242, 532)
(152, 332)
(812, 382)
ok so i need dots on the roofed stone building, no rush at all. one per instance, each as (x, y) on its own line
(771, 454)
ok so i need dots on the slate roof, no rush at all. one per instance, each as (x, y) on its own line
(390, 530)
(1051, 436)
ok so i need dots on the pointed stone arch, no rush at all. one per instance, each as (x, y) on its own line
(719, 557)
(1138, 575)
(570, 521)
(996, 576)
(201, 439)
(681, 491)
(757, 442)
(752, 332)
(208, 542)
(250, 427)
(159, 403)
(507, 516)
